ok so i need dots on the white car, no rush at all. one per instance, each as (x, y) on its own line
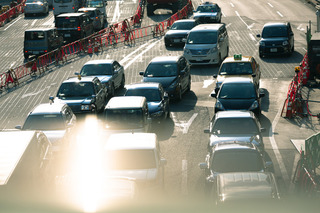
(36, 7)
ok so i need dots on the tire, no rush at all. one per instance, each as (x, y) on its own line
(168, 113)
(123, 82)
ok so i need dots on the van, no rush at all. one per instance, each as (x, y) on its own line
(74, 26)
(207, 44)
(24, 161)
(40, 41)
(101, 5)
(127, 114)
(65, 6)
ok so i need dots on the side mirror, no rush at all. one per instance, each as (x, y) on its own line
(207, 131)
(18, 127)
(77, 73)
(258, 35)
(215, 75)
(213, 94)
(203, 166)
(141, 73)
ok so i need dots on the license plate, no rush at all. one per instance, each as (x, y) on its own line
(273, 50)
(35, 52)
(176, 40)
(67, 35)
(198, 59)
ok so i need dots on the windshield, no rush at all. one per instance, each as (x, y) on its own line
(182, 26)
(94, 3)
(207, 9)
(235, 126)
(161, 70)
(237, 91)
(150, 94)
(239, 68)
(96, 69)
(76, 89)
(202, 38)
(236, 161)
(124, 118)
(67, 22)
(130, 159)
(44, 122)
(274, 31)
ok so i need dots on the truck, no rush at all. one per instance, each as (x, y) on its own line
(152, 5)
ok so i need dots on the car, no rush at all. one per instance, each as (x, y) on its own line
(83, 94)
(208, 12)
(238, 93)
(173, 72)
(237, 125)
(277, 38)
(233, 156)
(73, 26)
(237, 66)
(135, 155)
(157, 98)
(32, 7)
(95, 15)
(109, 72)
(207, 44)
(178, 32)
(55, 120)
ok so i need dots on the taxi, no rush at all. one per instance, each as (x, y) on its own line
(238, 66)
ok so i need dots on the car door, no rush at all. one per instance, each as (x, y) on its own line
(182, 66)
(100, 95)
(290, 35)
(256, 71)
(116, 74)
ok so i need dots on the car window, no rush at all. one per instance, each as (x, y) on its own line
(236, 161)
(96, 69)
(76, 89)
(207, 8)
(202, 38)
(161, 70)
(34, 35)
(235, 126)
(150, 94)
(182, 26)
(67, 22)
(44, 122)
(238, 68)
(237, 91)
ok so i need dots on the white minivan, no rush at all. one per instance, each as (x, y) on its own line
(207, 44)
(65, 6)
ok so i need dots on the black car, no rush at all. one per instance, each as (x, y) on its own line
(109, 72)
(235, 125)
(173, 72)
(276, 39)
(238, 93)
(83, 94)
(179, 31)
(208, 12)
(157, 98)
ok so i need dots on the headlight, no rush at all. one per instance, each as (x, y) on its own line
(285, 43)
(85, 107)
(219, 105)
(262, 44)
(215, 49)
(254, 105)
(186, 51)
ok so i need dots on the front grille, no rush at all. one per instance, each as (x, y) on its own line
(199, 51)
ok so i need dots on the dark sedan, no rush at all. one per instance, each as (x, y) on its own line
(157, 98)
(178, 32)
(238, 93)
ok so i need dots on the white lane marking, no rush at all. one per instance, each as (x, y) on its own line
(133, 52)
(33, 23)
(223, 14)
(50, 22)
(300, 27)
(184, 177)
(143, 52)
(251, 25)
(279, 14)
(295, 162)
(275, 148)
(232, 5)
(207, 83)
(12, 64)
(184, 125)
(17, 19)
(253, 38)
(116, 13)
(228, 25)
(270, 4)
(242, 20)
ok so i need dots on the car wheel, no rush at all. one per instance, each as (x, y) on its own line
(260, 55)
(123, 82)
(189, 86)
(179, 95)
(168, 113)
(167, 44)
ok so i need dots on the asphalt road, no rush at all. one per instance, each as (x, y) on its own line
(182, 139)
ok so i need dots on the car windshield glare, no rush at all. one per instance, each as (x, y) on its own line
(130, 159)
(273, 31)
(237, 91)
(235, 126)
(150, 94)
(67, 22)
(182, 26)
(202, 38)
(96, 69)
(95, 3)
(207, 9)
(242, 68)
(236, 161)
(44, 122)
(161, 70)
(76, 89)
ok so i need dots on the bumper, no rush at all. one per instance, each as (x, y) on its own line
(202, 59)
(277, 50)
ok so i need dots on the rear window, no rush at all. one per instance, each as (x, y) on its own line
(34, 35)
(67, 22)
(44, 122)
(237, 91)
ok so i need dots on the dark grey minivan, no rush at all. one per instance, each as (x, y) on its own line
(39, 41)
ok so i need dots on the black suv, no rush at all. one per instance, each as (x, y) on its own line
(173, 72)
(74, 26)
(276, 39)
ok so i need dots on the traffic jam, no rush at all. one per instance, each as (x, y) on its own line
(99, 142)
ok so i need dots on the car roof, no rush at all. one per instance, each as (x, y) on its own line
(80, 79)
(238, 80)
(49, 108)
(165, 59)
(275, 24)
(87, 8)
(235, 145)
(206, 27)
(143, 85)
(233, 59)
(70, 14)
(207, 3)
(100, 61)
(40, 29)
(132, 141)
(185, 20)
(125, 102)
(234, 114)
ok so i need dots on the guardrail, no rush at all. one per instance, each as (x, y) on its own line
(11, 13)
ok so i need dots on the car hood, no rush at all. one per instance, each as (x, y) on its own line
(237, 104)
(54, 135)
(137, 174)
(177, 32)
(104, 78)
(197, 15)
(165, 81)
(153, 106)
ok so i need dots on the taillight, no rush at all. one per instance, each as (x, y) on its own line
(53, 8)
(45, 51)
(73, 8)
(79, 28)
(97, 17)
